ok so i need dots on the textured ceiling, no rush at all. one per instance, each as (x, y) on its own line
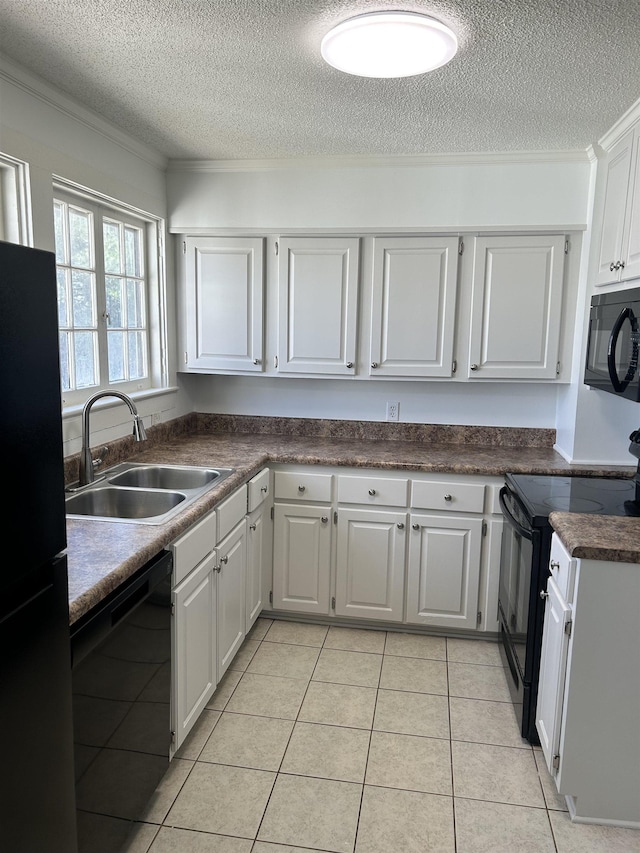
(243, 79)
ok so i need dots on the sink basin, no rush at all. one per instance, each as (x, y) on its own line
(166, 477)
(114, 502)
(142, 493)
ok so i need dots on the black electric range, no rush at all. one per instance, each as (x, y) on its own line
(526, 501)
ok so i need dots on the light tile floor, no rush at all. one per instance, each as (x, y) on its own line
(347, 740)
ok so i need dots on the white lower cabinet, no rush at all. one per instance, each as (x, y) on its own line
(194, 646)
(301, 557)
(230, 613)
(259, 545)
(588, 695)
(370, 564)
(443, 570)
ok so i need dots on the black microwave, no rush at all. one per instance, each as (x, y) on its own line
(613, 343)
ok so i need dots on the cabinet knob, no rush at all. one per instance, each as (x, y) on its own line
(324, 519)
(349, 364)
(416, 526)
(224, 560)
(217, 569)
(372, 492)
(252, 527)
(264, 489)
(474, 367)
(301, 489)
(448, 498)
(374, 364)
(256, 361)
(544, 594)
(554, 564)
(621, 264)
(612, 266)
(400, 525)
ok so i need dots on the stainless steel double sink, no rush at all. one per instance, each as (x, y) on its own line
(145, 494)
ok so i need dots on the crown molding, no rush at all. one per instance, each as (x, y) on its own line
(624, 123)
(37, 87)
(489, 158)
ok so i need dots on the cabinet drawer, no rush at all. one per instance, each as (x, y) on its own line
(193, 546)
(377, 491)
(563, 568)
(258, 489)
(290, 486)
(455, 497)
(231, 511)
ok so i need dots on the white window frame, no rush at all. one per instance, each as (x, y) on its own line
(154, 261)
(15, 201)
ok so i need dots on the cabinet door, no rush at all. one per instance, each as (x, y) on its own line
(222, 310)
(413, 307)
(370, 564)
(444, 570)
(301, 558)
(516, 307)
(230, 623)
(631, 235)
(194, 647)
(318, 303)
(258, 556)
(618, 166)
(553, 666)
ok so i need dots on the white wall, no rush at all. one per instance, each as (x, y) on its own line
(56, 136)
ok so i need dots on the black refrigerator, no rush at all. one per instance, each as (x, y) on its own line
(37, 806)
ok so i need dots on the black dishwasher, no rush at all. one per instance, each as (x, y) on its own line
(121, 654)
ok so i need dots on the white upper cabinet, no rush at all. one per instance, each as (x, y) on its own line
(619, 256)
(413, 306)
(222, 310)
(317, 304)
(516, 307)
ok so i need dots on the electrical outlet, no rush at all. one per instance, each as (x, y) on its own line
(393, 411)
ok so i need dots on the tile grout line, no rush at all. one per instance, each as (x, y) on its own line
(453, 791)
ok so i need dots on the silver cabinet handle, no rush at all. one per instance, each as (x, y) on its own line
(264, 489)
(416, 526)
(621, 265)
(252, 527)
(372, 492)
(543, 594)
(612, 266)
(256, 361)
(448, 498)
(349, 364)
(324, 519)
(400, 525)
(224, 560)
(217, 569)
(301, 489)
(474, 367)
(374, 364)
(554, 564)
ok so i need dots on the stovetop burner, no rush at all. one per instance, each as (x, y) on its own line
(542, 494)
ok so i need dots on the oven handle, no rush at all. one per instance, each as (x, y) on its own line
(523, 531)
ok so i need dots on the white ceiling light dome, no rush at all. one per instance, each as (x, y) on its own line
(389, 44)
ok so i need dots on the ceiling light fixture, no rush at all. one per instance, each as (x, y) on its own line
(389, 44)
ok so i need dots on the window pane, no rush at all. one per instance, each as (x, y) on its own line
(135, 304)
(83, 304)
(61, 249)
(80, 238)
(112, 260)
(137, 361)
(85, 358)
(113, 287)
(115, 342)
(64, 317)
(132, 251)
(65, 380)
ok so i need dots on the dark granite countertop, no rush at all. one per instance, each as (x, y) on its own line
(101, 555)
(598, 537)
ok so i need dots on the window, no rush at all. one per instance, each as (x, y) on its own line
(15, 218)
(105, 271)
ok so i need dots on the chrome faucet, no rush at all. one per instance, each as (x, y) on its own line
(87, 465)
